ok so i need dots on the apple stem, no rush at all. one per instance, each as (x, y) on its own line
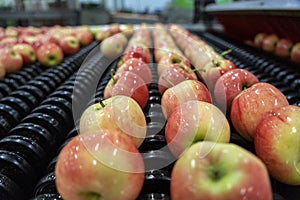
(201, 70)
(112, 75)
(226, 52)
(101, 102)
(168, 81)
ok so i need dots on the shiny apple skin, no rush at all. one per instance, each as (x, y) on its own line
(11, 60)
(244, 175)
(138, 51)
(269, 43)
(138, 67)
(26, 51)
(183, 92)
(70, 45)
(277, 143)
(284, 47)
(195, 121)
(230, 84)
(121, 113)
(49, 54)
(250, 105)
(176, 73)
(103, 163)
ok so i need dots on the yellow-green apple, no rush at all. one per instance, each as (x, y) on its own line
(102, 35)
(127, 30)
(26, 51)
(284, 47)
(277, 143)
(129, 84)
(258, 39)
(111, 47)
(195, 121)
(102, 165)
(269, 43)
(120, 113)
(50, 54)
(69, 45)
(295, 53)
(250, 105)
(185, 91)
(11, 31)
(169, 59)
(11, 60)
(230, 84)
(85, 37)
(138, 67)
(213, 70)
(209, 170)
(173, 75)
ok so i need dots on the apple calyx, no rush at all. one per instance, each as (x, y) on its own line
(168, 81)
(176, 60)
(215, 173)
(91, 196)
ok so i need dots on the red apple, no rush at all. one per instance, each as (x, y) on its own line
(169, 59)
(70, 45)
(258, 39)
(195, 121)
(49, 54)
(185, 91)
(138, 51)
(230, 84)
(2, 71)
(129, 84)
(138, 67)
(249, 106)
(214, 70)
(103, 165)
(295, 53)
(277, 140)
(209, 170)
(10, 60)
(173, 75)
(118, 113)
(26, 51)
(270, 42)
(114, 28)
(283, 47)
(85, 37)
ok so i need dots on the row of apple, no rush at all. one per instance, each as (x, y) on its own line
(112, 130)
(282, 47)
(261, 114)
(21, 46)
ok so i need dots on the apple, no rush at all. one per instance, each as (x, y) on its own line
(50, 54)
(213, 70)
(129, 84)
(69, 44)
(26, 51)
(277, 143)
(195, 121)
(230, 84)
(120, 113)
(258, 39)
(295, 53)
(127, 30)
(102, 35)
(114, 28)
(2, 71)
(138, 67)
(102, 165)
(270, 42)
(137, 51)
(11, 60)
(85, 37)
(283, 47)
(169, 59)
(209, 170)
(250, 105)
(111, 47)
(185, 91)
(173, 75)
